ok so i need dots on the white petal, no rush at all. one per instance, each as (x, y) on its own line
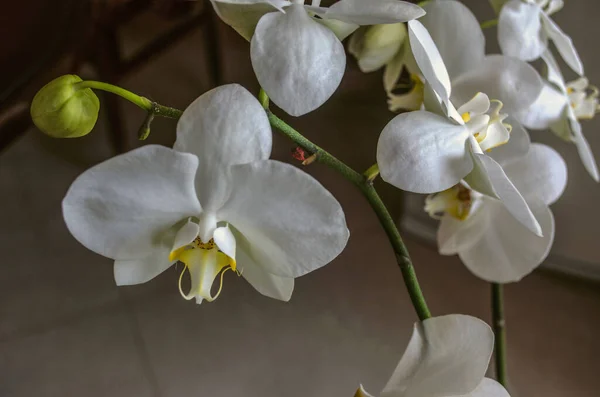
(489, 178)
(225, 240)
(539, 176)
(375, 46)
(185, 235)
(454, 235)
(298, 62)
(563, 44)
(422, 152)
(142, 270)
(520, 32)
(119, 207)
(462, 50)
(488, 388)
(268, 284)
(477, 106)
(243, 16)
(373, 12)
(294, 225)
(547, 109)
(516, 147)
(584, 149)
(513, 82)
(429, 60)
(223, 127)
(341, 29)
(507, 251)
(553, 73)
(446, 356)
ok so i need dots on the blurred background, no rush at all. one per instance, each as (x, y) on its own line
(66, 329)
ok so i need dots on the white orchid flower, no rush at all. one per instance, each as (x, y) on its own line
(215, 202)
(525, 27)
(561, 106)
(490, 242)
(388, 46)
(375, 46)
(424, 152)
(447, 356)
(298, 59)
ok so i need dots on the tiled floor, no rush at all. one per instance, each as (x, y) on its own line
(66, 330)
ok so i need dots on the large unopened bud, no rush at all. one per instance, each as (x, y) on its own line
(376, 45)
(62, 109)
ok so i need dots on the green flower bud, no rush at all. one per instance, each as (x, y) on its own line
(374, 46)
(62, 110)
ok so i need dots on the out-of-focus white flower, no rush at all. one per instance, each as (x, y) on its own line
(388, 46)
(424, 152)
(375, 46)
(214, 202)
(525, 28)
(446, 356)
(560, 107)
(490, 242)
(296, 55)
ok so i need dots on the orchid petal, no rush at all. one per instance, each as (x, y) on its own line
(422, 152)
(513, 82)
(142, 270)
(243, 15)
(388, 39)
(119, 208)
(547, 109)
(539, 176)
(267, 284)
(462, 50)
(185, 235)
(516, 147)
(429, 60)
(454, 235)
(223, 127)
(446, 356)
(225, 240)
(520, 32)
(489, 178)
(563, 44)
(584, 149)
(341, 29)
(297, 61)
(507, 251)
(293, 224)
(373, 12)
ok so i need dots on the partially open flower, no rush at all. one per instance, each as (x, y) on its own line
(62, 110)
(375, 46)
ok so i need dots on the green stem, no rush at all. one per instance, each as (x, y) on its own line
(142, 102)
(489, 24)
(366, 187)
(500, 332)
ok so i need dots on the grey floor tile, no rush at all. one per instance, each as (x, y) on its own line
(93, 356)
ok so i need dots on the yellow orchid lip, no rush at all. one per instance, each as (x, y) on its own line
(456, 202)
(204, 263)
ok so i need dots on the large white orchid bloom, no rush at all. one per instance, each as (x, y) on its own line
(490, 242)
(447, 356)
(215, 202)
(525, 27)
(296, 55)
(560, 107)
(424, 152)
